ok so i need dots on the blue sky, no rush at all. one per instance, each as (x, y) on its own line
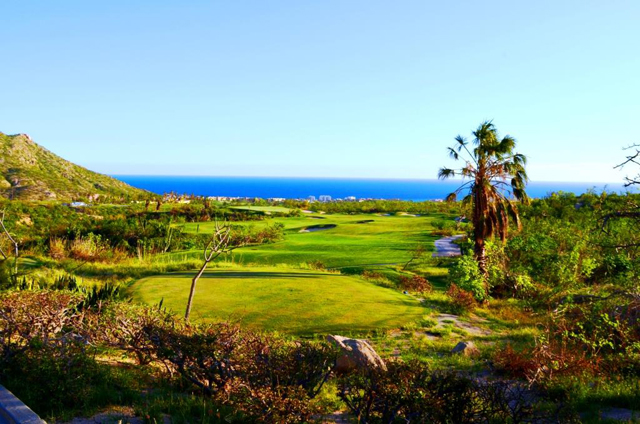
(321, 88)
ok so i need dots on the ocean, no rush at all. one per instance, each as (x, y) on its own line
(337, 188)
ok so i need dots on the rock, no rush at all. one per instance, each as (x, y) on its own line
(355, 354)
(465, 348)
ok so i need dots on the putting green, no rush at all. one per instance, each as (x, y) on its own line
(300, 302)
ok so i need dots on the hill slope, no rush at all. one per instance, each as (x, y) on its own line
(31, 172)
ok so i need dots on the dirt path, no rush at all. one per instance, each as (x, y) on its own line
(445, 247)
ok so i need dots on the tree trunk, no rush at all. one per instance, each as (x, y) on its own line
(481, 254)
(193, 290)
(479, 225)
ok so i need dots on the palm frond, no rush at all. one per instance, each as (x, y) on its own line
(445, 173)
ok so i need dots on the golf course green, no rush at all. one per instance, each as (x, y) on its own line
(291, 301)
(281, 286)
(358, 241)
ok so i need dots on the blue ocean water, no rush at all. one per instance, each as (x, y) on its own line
(297, 188)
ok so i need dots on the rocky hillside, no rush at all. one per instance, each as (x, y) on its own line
(31, 172)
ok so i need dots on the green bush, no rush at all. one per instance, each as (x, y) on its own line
(466, 274)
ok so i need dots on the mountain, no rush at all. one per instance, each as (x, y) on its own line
(31, 172)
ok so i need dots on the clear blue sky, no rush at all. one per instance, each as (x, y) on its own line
(321, 88)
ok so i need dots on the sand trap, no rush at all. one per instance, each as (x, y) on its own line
(445, 247)
(313, 228)
(306, 211)
(406, 214)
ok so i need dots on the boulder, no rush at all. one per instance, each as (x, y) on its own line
(355, 354)
(465, 348)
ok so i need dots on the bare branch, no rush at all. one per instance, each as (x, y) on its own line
(219, 243)
(11, 239)
(632, 158)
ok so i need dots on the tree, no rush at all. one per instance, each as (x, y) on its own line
(633, 158)
(496, 180)
(629, 213)
(219, 243)
(12, 241)
(416, 254)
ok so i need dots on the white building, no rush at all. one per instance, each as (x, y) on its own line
(311, 198)
(325, 198)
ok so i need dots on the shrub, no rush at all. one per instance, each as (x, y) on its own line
(462, 300)
(466, 275)
(318, 265)
(46, 354)
(90, 248)
(266, 377)
(415, 283)
(372, 275)
(513, 363)
(126, 326)
(411, 392)
(57, 248)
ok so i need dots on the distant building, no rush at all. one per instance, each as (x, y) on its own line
(325, 198)
(350, 199)
(311, 198)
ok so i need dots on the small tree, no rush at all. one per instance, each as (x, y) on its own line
(13, 242)
(416, 254)
(219, 243)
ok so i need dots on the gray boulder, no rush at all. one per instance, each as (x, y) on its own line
(355, 354)
(465, 348)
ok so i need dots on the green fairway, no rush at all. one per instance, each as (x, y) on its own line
(266, 209)
(300, 302)
(355, 241)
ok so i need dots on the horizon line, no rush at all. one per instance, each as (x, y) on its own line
(344, 178)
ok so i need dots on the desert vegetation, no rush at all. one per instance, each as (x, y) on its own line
(535, 321)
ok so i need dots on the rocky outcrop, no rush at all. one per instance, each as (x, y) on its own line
(355, 354)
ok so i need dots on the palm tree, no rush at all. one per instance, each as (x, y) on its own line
(496, 180)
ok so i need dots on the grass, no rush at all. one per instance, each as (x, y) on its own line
(272, 286)
(383, 241)
(279, 209)
(291, 301)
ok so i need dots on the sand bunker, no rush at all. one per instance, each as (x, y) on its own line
(313, 228)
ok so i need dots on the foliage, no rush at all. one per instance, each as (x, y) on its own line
(415, 283)
(411, 392)
(466, 275)
(495, 174)
(586, 336)
(462, 300)
(256, 373)
(46, 355)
